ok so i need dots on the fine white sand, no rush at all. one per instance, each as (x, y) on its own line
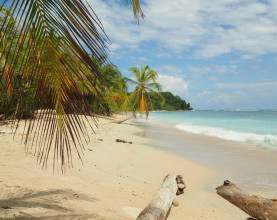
(115, 181)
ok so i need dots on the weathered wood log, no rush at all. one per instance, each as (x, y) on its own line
(255, 206)
(159, 207)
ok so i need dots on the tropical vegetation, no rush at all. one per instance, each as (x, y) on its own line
(46, 64)
(114, 95)
(54, 67)
(145, 81)
(171, 102)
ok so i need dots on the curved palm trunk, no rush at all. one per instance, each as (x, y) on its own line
(123, 120)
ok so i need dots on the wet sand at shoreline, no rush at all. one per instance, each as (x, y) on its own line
(251, 167)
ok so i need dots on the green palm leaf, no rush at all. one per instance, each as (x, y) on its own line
(138, 13)
(145, 82)
(47, 41)
(47, 45)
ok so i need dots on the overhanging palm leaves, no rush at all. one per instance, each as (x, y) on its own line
(138, 13)
(47, 44)
(145, 82)
(46, 47)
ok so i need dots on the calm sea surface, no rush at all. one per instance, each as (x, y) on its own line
(258, 127)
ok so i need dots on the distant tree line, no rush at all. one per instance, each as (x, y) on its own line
(171, 102)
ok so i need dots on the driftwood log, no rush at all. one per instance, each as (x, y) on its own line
(159, 207)
(255, 206)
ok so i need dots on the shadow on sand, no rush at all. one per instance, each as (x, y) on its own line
(51, 204)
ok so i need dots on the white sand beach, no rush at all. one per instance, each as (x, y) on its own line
(115, 181)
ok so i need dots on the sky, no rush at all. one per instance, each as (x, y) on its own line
(216, 54)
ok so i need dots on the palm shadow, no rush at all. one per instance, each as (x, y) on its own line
(51, 204)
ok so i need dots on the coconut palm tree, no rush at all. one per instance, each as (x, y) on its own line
(145, 81)
(48, 44)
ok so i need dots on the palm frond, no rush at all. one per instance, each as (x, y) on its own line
(136, 73)
(138, 13)
(154, 85)
(151, 75)
(49, 43)
(131, 81)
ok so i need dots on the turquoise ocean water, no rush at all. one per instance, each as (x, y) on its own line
(258, 127)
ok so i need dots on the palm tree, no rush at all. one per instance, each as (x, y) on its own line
(48, 44)
(145, 82)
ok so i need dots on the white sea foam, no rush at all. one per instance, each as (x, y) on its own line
(265, 140)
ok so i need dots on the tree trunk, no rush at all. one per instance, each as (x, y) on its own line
(255, 206)
(103, 116)
(123, 120)
(159, 207)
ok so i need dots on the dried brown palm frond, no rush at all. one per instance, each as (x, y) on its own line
(48, 44)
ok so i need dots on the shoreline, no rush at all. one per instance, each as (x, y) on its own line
(116, 181)
(251, 167)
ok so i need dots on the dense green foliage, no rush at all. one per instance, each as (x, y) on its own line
(12, 86)
(171, 102)
(53, 66)
(19, 92)
(45, 65)
(113, 97)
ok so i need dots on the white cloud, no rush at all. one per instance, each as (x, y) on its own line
(219, 69)
(142, 59)
(204, 93)
(251, 85)
(228, 98)
(212, 27)
(171, 69)
(200, 70)
(220, 100)
(238, 95)
(173, 84)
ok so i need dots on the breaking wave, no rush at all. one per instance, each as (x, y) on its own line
(267, 140)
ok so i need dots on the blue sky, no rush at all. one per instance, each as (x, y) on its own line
(217, 54)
